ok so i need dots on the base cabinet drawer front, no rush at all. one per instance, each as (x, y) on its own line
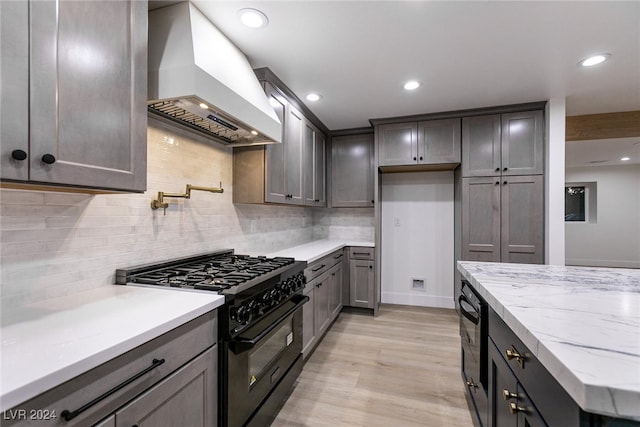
(94, 395)
(358, 252)
(186, 398)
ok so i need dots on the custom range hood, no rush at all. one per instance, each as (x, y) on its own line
(199, 79)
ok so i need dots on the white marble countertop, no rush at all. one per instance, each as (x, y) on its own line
(47, 343)
(316, 249)
(582, 323)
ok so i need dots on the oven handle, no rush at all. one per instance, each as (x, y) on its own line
(475, 320)
(240, 345)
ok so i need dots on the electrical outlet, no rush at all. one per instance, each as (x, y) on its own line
(396, 222)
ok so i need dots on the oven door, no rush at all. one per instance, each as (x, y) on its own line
(260, 357)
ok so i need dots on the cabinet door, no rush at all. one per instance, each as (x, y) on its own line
(439, 141)
(352, 171)
(397, 144)
(88, 85)
(522, 143)
(481, 219)
(503, 390)
(335, 298)
(309, 321)
(522, 219)
(481, 145)
(14, 103)
(322, 301)
(313, 147)
(275, 182)
(186, 398)
(528, 415)
(361, 284)
(293, 156)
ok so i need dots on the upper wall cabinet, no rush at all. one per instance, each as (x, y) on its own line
(292, 172)
(314, 165)
(503, 144)
(74, 80)
(352, 170)
(430, 142)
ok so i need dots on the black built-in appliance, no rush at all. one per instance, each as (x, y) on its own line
(260, 325)
(474, 318)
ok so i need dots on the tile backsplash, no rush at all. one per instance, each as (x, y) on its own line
(54, 244)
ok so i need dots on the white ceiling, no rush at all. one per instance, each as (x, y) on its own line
(358, 54)
(602, 152)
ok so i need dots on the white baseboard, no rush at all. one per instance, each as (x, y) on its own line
(417, 300)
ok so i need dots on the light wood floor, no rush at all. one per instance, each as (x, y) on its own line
(399, 369)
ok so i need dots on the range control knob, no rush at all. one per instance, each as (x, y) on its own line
(241, 314)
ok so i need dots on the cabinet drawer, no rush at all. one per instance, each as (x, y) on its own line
(323, 265)
(557, 407)
(117, 381)
(358, 252)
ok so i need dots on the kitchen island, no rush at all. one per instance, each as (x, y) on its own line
(582, 325)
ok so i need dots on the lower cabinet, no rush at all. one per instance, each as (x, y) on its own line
(185, 398)
(324, 289)
(361, 277)
(168, 381)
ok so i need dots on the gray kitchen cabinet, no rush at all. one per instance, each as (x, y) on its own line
(503, 144)
(361, 277)
(158, 372)
(314, 169)
(309, 327)
(292, 172)
(322, 301)
(187, 398)
(284, 161)
(324, 289)
(503, 219)
(335, 291)
(352, 170)
(429, 142)
(74, 114)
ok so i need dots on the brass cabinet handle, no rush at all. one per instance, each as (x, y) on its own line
(512, 353)
(509, 394)
(471, 383)
(514, 409)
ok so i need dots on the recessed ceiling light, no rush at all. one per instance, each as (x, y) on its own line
(412, 85)
(253, 18)
(624, 159)
(594, 60)
(313, 97)
(254, 132)
(204, 106)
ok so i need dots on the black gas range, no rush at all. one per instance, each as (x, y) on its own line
(260, 324)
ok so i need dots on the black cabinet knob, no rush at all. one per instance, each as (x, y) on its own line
(48, 159)
(504, 169)
(505, 182)
(371, 267)
(19, 154)
(420, 157)
(373, 202)
(497, 169)
(414, 158)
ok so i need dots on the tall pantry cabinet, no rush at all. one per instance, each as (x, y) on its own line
(503, 187)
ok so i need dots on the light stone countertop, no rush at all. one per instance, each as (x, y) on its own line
(316, 249)
(582, 323)
(47, 343)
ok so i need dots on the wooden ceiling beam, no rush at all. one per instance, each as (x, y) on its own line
(624, 124)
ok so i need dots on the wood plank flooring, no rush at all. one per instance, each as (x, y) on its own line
(401, 368)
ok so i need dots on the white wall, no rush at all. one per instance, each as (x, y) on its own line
(554, 181)
(614, 239)
(417, 238)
